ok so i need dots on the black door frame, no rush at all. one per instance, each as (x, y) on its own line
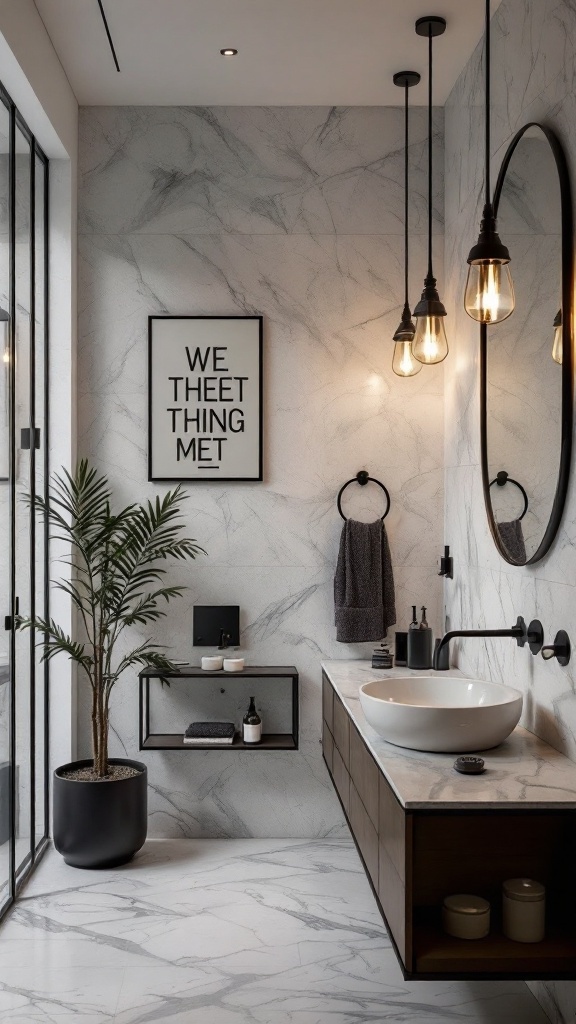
(19, 871)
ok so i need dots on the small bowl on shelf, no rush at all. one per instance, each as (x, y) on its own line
(233, 664)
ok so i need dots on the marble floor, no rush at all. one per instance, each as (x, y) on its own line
(223, 932)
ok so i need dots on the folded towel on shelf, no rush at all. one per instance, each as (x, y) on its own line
(200, 733)
(512, 538)
(364, 583)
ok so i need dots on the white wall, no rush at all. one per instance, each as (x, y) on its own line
(533, 57)
(295, 213)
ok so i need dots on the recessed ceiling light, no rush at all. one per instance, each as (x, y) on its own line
(229, 52)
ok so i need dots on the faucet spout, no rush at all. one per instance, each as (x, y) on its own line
(519, 632)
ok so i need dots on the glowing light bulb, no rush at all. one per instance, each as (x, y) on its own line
(6, 356)
(489, 292)
(430, 344)
(557, 347)
(403, 362)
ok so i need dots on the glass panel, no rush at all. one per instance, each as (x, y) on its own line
(5, 514)
(40, 369)
(24, 660)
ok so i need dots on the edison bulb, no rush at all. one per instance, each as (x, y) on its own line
(489, 292)
(403, 362)
(430, 344)
(557, 348)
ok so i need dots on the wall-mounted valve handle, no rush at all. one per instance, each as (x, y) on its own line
(560, 649)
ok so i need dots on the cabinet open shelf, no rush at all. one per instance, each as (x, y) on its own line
(436, 953)
(174, 741)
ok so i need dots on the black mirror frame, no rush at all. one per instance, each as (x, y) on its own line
(567, 216)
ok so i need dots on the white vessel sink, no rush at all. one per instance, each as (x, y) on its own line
(443, 714)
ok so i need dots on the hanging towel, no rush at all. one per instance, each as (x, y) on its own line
(513, 540)
(364, 583)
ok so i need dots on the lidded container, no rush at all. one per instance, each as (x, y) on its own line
(523, 909)
(465, 916)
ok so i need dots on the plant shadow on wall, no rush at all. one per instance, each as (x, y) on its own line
(119, 563)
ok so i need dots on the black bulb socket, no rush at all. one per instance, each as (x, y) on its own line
(430, 303)
(406, 330)
(489, 248)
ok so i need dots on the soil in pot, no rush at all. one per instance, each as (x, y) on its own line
(115, 772)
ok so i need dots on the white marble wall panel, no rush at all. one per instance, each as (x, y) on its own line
(297, 214)
(533, 79)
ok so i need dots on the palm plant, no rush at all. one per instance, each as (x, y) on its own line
(118, 568)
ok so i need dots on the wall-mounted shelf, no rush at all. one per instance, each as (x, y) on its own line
(174, 741)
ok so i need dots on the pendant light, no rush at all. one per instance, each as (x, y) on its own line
(557, 348)
(489, 295)
(403, 362)
(430, 344)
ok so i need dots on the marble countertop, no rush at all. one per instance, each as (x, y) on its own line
(523, 772)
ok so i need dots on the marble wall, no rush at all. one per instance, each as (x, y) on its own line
(295, 213)
(533, 60)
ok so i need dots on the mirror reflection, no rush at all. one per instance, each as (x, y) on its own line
(524, 353)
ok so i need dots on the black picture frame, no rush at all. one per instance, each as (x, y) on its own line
(567, 383)
(155, 474)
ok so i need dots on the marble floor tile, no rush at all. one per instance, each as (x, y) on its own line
(223, 932)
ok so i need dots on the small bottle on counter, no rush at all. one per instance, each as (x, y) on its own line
(252, 724)
(523, 909)
(414, 623)
(419, 642)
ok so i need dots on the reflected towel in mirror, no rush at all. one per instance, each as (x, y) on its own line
(513, 540)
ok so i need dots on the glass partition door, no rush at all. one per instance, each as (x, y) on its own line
(23, 474)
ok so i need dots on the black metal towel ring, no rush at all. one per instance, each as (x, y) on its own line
(362, 478)
(503, 478)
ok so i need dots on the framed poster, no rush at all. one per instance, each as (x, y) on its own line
(204, 398)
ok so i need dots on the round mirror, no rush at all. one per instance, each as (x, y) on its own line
(526, 361)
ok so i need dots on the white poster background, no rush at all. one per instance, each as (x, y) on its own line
(234, 353)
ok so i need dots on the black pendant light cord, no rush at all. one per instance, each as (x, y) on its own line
(108, 34)
(430, 272)
(487, 95)
(406, 232)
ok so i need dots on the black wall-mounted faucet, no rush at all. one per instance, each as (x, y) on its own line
(447, 564)
(533, 635)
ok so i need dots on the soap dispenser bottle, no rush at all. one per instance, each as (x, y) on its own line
(420, 644)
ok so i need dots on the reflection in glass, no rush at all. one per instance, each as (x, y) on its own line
(523, 385)
(557, 348)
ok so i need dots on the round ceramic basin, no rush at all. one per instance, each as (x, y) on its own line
(442, 714)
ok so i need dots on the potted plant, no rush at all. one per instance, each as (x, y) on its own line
(119, 561)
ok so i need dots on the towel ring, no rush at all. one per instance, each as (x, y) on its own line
(502, 478)
(362, 478)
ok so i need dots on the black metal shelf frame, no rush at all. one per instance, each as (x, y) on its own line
(174, 741)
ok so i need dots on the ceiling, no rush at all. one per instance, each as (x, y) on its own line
(290, 52)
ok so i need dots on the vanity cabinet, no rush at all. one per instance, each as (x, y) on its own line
(414, 858)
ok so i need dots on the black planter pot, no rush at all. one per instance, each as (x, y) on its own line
(100, 824)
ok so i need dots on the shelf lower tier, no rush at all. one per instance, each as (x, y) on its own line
(172, 741)
(439, 954)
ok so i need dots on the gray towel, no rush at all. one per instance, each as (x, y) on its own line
(363, 584)
(513, 540)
